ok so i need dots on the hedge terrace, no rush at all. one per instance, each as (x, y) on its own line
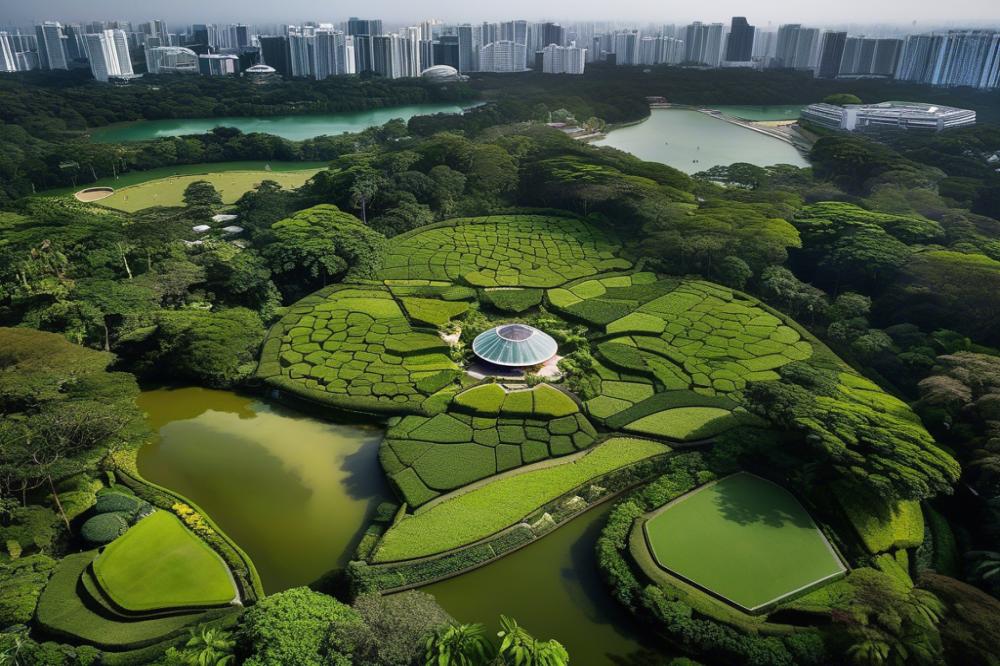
(486, 431)
(498, 504)
(351, 346)
(503, 251)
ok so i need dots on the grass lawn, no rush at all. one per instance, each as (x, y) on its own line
(169, 191)
(498, 504)
(684, 423)
(159, 564)
(744, 539)
(63, 613)
(138, 177)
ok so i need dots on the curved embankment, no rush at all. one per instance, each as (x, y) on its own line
(92, 194)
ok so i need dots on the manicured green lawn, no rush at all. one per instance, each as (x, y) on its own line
(684, 423)
(159, 564)
(498, 504)
(743, 538)
(169, 191)
(63, 613)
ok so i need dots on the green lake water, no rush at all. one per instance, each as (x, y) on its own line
(692, 141)
(296, 492)
(294, 127)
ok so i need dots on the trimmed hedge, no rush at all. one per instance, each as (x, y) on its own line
(428, 455)
(532, 251)
(351, 347)
(502, 502)
(105, 527)
(512, 300)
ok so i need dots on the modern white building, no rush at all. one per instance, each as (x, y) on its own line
(108, 53)
(171, 60)
(52, 46)
(888, 115)
(503, 56)
(8, 57)
(563, 59)
(218, 64)
(329, 53)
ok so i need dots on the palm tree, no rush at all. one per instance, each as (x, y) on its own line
(870, 651)
(458, 645)
(985, 567)
(208, 646)
(521, 648)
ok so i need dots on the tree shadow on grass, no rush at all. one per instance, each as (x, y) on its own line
(748, 500)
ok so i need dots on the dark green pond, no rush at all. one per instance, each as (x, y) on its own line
(294, 127)
(296, 492)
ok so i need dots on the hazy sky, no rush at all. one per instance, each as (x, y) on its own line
(926, 13)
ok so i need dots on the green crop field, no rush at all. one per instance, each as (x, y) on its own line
(744, 539)
(169, 191)
(504, 251)
(160, 564)
(498, 504)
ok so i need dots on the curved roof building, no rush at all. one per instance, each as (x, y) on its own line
(442, 73)
(514, 345)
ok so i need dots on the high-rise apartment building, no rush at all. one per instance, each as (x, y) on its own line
(329, 53)
(626, 47)
(108, 53)
(503, 56)
(739, 43)
(797, 47)
(8, 59)
(217, 64)
(831, 54)
(274, 53)
(563, 59)
(51, 46)
(466, 52)
(703, 43)
(958, 58)
(301, 52)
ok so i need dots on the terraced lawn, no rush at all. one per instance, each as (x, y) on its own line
(504, 251)
(231, 185)
(743, 539)
(486, 431)
(498, 504)
(352, 346)
(160, 564)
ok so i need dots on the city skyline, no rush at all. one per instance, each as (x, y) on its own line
(921, 15)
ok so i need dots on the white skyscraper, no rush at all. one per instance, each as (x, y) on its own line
(503, 56)
(8, 61)
(301, 45)
(109, 55)
(415, 63)
(563, 59)
(52, 46)
(330, 53)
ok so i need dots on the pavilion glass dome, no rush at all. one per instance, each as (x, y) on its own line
(514, 345)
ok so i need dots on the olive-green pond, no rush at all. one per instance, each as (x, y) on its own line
(296, 492)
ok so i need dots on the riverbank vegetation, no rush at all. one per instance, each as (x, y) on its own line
(831, 329)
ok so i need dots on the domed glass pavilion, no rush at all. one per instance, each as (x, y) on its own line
(514, 346)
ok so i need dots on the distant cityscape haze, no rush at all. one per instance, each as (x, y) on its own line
(927, 15)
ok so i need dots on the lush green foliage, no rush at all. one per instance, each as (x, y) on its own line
(292, 627)
(424, 457)
(503, 251)
(354, 348)
(498, 504)
(23, 581)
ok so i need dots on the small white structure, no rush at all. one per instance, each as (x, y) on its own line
(232, 229)
(201, 228)
(223, 217)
